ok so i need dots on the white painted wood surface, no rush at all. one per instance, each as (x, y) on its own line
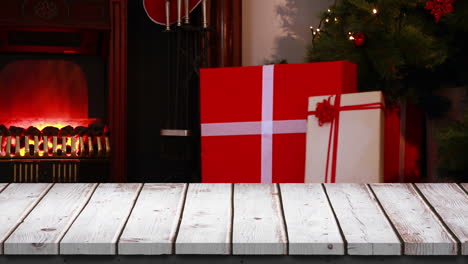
(207, 220)
(312, 227)
(16, 201)
(258, 226)
(364, 225)
(162, 220)
(3, 186)
(451, 204)
(152, 226)
(417, 225)
(98, 227)
(42, 230)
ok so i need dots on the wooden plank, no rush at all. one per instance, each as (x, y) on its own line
(16, 201)
(258, 227)
(152, 226)
(417, 225)
(311, 225)
(364, 225)
(207, 220)
(98, 227)
(41, 232)
(451, 204)
(3, 186)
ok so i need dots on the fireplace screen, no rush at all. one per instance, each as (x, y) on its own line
(52, 109)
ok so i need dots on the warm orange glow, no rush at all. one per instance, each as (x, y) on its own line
(22, 152)
(42, 123)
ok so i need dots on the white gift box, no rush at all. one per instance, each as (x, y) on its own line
(348, 149)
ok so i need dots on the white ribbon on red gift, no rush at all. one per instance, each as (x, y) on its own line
(266, 128)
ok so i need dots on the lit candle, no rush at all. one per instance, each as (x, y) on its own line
(187, 11)
(64, 145)
(8, 146)
(18, 146)
(205, 23)
(168, 23)
(36, 145)
(46, 145)
(73, 145)
(32, 133)
(108, 147)
(179, 13)
(26, 145)
(90, 145)
(82, 146)
(54, 145)
(99, 145)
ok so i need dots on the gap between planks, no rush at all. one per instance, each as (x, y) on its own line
(21, 213)
(449, 203)
(419, 227)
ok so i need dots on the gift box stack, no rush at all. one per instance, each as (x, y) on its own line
(290, 123)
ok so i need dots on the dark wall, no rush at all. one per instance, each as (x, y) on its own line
(153, 158)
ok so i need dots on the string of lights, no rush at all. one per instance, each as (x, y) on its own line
(331, 17)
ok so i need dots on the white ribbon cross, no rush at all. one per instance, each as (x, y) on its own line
(267, 127)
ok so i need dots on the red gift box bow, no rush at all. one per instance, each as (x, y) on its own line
(328, 113)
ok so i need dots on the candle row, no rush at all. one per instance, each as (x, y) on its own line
(74, 146)
(79, 140)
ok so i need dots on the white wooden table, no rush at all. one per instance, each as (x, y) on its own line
(234, 219)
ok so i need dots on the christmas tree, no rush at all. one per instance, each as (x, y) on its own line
(402, 47)
(407, 49)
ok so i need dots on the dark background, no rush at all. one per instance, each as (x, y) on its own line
(151, 157)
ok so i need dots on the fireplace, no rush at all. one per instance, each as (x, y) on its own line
(62, 91)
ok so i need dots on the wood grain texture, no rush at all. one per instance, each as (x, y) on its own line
(152, 226)
(364, 225)
(451, 204)
(207, 220)
(258, 227)
(98, 227)
(417, 225)
(16, 201)
(312, 227)
(42, 230)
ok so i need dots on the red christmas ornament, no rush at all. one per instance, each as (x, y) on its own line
(359, 39)
(440, 8)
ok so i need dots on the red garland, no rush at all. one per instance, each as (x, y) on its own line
(440, 8)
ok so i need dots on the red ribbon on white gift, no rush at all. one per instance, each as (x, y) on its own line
(328, 113)
(267, 127)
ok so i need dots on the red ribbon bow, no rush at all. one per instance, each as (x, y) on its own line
(325, 112)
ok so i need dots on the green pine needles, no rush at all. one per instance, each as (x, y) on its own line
(405, 52)
(453, 146)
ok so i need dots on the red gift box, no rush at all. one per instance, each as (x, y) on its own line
(403, 143)
(253, 119)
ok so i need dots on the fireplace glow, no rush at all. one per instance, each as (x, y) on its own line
(43, 90)
(92, 146)
(44, 93)
(42, 123)
(41, 150)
